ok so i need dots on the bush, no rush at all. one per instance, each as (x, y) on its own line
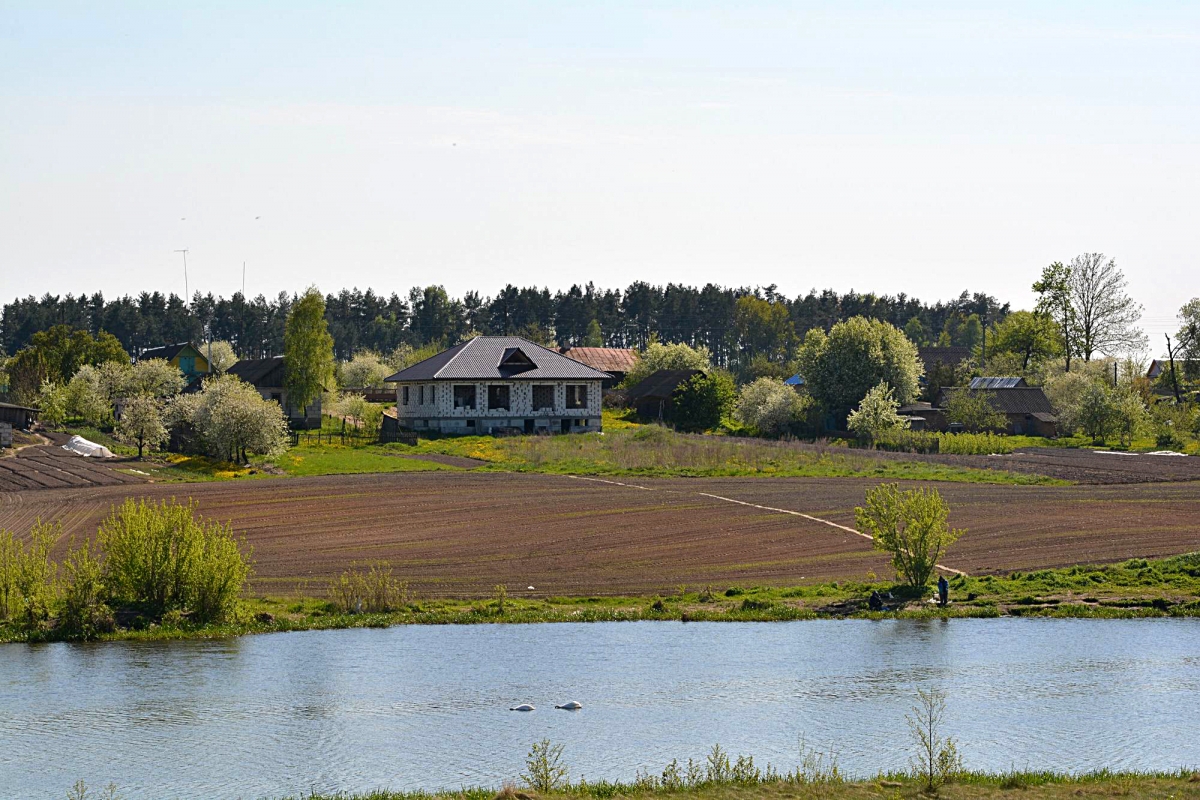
(368, 588)
(770, 406)
(699, 403)
(27, 575)
(911, 525)
(973, 410)
(84, 612)
(658, 356)
(163, 558)
(876, 414)
(544, 768)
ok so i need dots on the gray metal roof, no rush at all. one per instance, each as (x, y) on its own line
(997, 383)
(492, 358)
(660, 384)
(1017, 400)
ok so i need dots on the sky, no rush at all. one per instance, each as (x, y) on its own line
(915, 147)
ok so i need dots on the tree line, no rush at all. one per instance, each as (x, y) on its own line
(735, 324)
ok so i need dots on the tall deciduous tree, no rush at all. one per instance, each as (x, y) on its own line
(307, 351)
(1054, 300)
(1105, 315)
(1032, 336)
(840, 367)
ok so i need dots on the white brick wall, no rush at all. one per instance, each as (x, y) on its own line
(438, 410)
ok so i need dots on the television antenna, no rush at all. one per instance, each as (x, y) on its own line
(186, 295)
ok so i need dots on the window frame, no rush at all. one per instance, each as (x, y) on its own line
(474, 405)
(545, 388)
(580, 399)
(507, 391)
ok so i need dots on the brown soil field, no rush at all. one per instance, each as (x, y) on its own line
(459, 534)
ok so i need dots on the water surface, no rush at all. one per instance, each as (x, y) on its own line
(426, 707)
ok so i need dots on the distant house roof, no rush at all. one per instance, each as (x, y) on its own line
(166, 352)
(498, 358)
(14, 407)
(260, 372)
(1017, 400)
(795, 380)
(605, 359)
(660, 384)
(997, 383)
(949, 356)
(1160, 365)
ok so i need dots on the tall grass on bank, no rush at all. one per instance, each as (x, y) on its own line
(370, 588)
(963, 444)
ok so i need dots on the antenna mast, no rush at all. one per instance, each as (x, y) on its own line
(186, 295)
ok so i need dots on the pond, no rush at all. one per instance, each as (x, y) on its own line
(427, 707)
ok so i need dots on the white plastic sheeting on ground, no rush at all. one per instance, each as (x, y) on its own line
(81, 446)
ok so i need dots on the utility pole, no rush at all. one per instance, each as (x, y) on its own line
(187, 298)
(243, 279)
(1174, 377)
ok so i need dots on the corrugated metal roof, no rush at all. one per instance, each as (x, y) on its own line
(1018, 400)
(605, 359)
(795, 380)
(480, 359)
(997, 383)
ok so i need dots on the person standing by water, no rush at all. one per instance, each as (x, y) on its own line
(943, 590)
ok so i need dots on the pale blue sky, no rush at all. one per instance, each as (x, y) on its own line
(916, 147)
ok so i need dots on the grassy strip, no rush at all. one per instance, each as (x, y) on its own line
(652, 451)
(1132, 589)
(970, 786)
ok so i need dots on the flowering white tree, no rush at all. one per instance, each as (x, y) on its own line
(234, 421)
(770, 406)
(876, 414)
(364, 370)
(142, 423)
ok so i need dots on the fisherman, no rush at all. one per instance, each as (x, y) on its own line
(875, 603)
(943, 590)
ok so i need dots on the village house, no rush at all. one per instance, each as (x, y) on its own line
(184, 356)
(1026, 408)
(651, 396)
(496, 384)
(267, 376)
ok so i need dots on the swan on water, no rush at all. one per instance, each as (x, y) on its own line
(571, 706)
(522, 707)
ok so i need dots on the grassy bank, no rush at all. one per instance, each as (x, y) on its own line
(1132, 589)
(1027, 786)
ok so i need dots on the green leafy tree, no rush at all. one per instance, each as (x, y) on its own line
(594, 336)
(1030, 335)
(764, 329)
(911, 525)
(141, 424)
(770, 406)
(1097, 414)
(56, 355)
(1130, 416)
(658, 356)
(700, 403)
(876, 415)
(1065, 392)
(221, 356)
(231, 420)
(840, 367)
(914, 329)
(973, 410)
(52, 400)
(307, 351)
(86, 397)
(1054, 301)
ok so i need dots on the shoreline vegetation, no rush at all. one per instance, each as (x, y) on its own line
(371, 597)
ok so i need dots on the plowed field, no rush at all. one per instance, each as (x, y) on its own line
(459, 534)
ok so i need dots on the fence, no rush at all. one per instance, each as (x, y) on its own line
(349, 435)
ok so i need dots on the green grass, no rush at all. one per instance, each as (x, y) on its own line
(1182, 785)
(1130, 589)
(653, 451)
(348, 460)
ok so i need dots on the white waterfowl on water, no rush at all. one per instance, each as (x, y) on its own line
(571, 706)
(522, 707)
